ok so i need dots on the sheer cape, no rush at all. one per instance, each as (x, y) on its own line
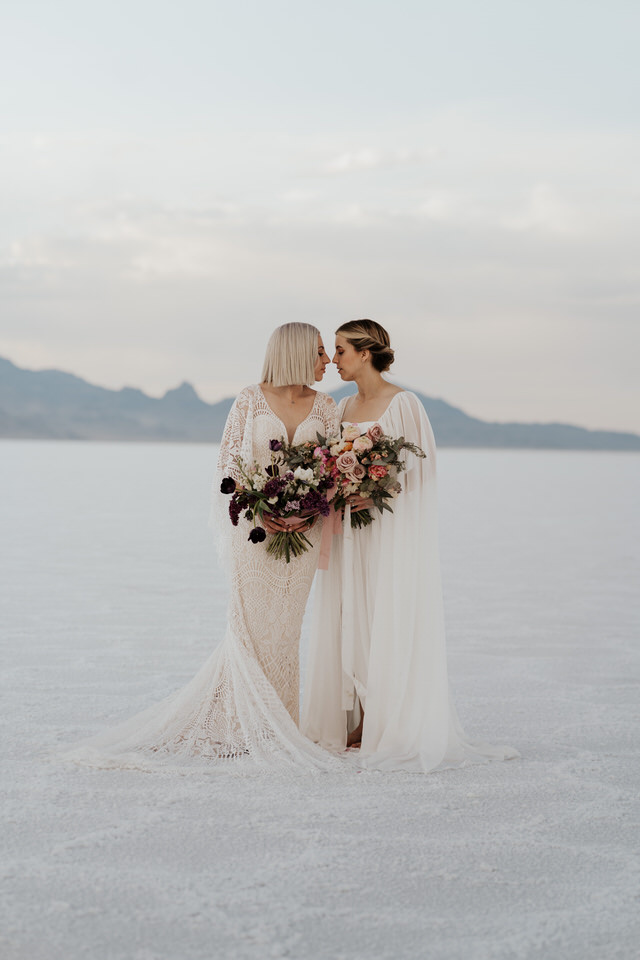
(378, 632)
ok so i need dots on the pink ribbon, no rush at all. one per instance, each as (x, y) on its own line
(348, 615)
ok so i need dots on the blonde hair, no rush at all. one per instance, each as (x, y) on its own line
(369, 335)
(291, 354)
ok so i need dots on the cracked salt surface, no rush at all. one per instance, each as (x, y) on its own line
(111, 598)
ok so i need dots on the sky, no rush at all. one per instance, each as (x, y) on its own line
(177, 179)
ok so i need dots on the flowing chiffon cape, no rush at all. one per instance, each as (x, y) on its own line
(378, 632)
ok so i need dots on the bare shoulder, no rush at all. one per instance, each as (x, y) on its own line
(393, 390)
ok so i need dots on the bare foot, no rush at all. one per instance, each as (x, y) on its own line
(354, 739)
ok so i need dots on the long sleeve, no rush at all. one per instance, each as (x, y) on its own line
(233, 445)
(233, 437)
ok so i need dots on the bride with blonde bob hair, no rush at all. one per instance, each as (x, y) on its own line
(243, 703)
(291, 355)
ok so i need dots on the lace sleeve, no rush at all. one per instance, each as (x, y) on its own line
(232, 446)
(233, 437)
(329, 414)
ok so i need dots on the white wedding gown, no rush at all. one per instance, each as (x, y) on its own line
(241, 709)
(378, 632)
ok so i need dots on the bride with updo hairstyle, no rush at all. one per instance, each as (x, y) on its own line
(377, 672)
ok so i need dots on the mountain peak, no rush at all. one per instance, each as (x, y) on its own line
(185, 393)
(50, 404)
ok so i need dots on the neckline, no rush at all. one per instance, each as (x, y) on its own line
(280, 421)
(378, 419)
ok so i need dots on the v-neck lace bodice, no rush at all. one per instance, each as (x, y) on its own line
(252, 424)
(281, 422)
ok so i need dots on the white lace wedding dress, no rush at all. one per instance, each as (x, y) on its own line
(378, 633)
(241, 708)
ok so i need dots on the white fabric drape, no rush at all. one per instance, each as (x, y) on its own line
(378, 631)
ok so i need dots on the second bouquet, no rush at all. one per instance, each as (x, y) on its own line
(365, 467)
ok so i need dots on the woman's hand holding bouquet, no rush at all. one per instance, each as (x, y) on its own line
(283, 498)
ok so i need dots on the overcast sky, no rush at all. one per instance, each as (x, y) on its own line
(179, 178)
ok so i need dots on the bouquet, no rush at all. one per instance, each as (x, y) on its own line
(294, 485)
(365, 465)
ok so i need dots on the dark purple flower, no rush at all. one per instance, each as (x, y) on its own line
(234, 510)
(228, 485)
(257, 535)
(273, 487)
(314, 502)
(271, 471)
(275, 445)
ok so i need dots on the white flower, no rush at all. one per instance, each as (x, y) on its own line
(305, 476)
(258, 482)
(273, 499)
(336, 449)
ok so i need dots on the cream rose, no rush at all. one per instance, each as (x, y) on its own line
(351, 431)
(362, 444)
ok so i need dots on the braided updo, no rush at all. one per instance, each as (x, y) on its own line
(369, 335)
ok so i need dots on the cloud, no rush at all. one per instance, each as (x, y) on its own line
(498, 255)
(368, 158)
(150, 295)
(546, 210)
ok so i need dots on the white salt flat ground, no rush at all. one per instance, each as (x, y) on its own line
(111, 599)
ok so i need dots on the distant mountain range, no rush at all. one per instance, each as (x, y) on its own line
(51, 405)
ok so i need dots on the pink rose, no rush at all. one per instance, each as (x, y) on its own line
(318, 453)
(346, 461)
(351, 431)
(357, 474)
(362, 444)
(375, 432)
(377, 473)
